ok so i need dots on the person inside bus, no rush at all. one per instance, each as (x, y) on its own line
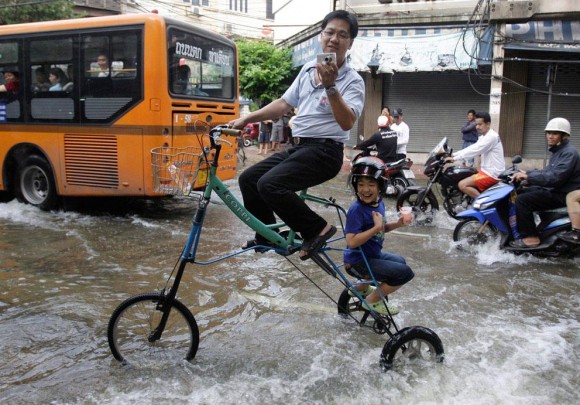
(57, 79)
(41, 82)
(182, 83)
(103, 69)
(11, 82)
(330, 98)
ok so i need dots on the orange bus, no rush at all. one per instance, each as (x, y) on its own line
(95, 96)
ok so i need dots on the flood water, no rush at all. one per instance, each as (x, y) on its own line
(509, 324)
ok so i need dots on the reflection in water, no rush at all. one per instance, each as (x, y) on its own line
(509, 324)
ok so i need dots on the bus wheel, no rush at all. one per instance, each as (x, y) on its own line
(35, 183)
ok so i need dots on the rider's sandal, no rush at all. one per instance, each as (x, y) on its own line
(380, 308)
(314, 244)
(252, 243)
(519, 244)
(365, 293)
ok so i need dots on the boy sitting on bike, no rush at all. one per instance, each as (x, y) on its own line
(366, 228)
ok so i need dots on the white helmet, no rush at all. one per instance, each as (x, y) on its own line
(383, 121)
(558, 125)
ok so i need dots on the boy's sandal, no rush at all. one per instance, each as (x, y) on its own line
(364, 293)
(314, 244)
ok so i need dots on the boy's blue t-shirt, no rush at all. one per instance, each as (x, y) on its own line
(359, 218)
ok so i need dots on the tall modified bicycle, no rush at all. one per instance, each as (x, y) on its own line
(157, 326)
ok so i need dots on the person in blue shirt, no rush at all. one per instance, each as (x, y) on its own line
(365, 229)
(56, 78)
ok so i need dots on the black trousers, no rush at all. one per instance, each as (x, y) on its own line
(270, 186)
(532, 199)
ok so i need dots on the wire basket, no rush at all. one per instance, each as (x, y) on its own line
(175, 170)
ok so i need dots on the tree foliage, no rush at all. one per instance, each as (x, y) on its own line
(23, 11)
(265, 71)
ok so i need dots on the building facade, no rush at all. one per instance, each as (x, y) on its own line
(435, 60)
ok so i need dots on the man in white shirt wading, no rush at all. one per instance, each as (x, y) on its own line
(489, 146)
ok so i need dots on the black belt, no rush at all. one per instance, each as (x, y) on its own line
(304, 140)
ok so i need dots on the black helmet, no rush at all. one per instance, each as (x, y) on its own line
(369, 166)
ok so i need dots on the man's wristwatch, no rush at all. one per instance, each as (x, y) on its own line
(331, 90)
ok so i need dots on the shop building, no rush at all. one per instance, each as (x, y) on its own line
(518, 60)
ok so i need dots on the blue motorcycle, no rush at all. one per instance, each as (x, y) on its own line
(494, 214)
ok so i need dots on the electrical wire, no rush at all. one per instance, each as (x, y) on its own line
(479, 23)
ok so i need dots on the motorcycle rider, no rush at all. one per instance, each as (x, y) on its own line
(385, 140)
(550, 185)
(489, 146)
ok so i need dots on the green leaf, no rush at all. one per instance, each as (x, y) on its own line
(265, 71)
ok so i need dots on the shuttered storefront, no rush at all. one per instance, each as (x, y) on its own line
(567, 81)
(435, 104)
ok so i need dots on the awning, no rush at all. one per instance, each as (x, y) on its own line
(409, 50)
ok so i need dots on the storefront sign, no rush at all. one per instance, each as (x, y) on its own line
(553, 35)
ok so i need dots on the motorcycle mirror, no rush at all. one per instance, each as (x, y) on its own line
(516, 159)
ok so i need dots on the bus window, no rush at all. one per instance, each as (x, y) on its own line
(200, 67)
(111, 77)
(49, 59)
(10, 78)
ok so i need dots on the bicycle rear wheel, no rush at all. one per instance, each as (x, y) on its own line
(134, 320)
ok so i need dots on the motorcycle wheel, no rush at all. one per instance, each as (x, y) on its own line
(409, 199)
(247, 142)
(472, 233)
(403, 181)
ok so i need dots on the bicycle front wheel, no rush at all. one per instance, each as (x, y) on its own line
(133, 321)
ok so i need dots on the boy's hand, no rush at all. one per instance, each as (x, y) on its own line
(378, 220)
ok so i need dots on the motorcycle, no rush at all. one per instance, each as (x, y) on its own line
(423, 200)
(494, 214)
(398, 174)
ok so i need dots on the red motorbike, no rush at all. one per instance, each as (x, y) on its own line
(398, 174)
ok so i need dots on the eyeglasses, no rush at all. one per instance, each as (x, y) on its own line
(339, 34)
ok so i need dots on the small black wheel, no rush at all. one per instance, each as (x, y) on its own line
(35, 183)
(410, 344)
(133, 321)
(247, 142)
(348, 304)
(425, 211)
(471, 232)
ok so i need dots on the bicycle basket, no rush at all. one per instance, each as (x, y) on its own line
(175, 170)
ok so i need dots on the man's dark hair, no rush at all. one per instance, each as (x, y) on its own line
(471, 112)
(350, 18)
(484, 115)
